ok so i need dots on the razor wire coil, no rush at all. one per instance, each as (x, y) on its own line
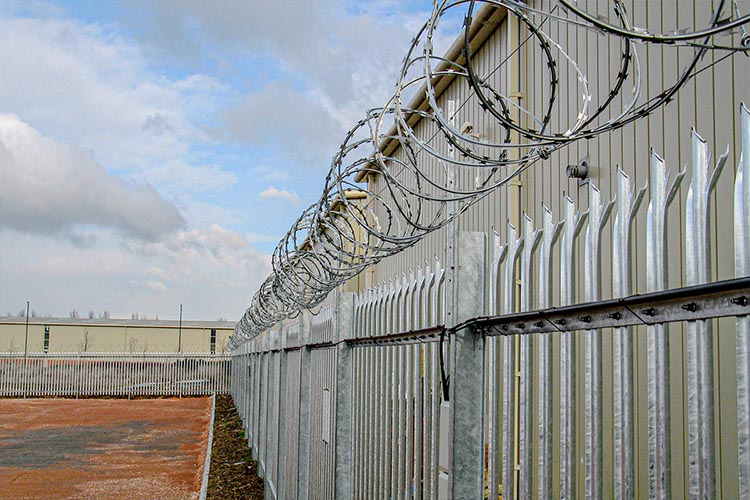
(354, 224)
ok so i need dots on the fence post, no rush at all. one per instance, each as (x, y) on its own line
(627, 202)
(303, 457)
(282, 415)
(662, 195)
(599, 211)
(699, 341)
(344, 388)
(466, 394)
(742, 268)
(273, 402)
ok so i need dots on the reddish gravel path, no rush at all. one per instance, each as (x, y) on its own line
(102, 448)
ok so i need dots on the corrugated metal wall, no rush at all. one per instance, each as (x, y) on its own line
(709, 103)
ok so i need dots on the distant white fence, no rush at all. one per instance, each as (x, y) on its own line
(113, 374)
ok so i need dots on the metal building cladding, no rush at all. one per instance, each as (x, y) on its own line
(579, 331)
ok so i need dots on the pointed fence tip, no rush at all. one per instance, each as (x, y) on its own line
(694, 133)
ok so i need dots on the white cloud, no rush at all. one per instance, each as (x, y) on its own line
(86, 84)
(277, 114)
(212, 271)
(271, 174)
(337, 61)
(263, 238)
(272, 193)
(178, 176)
(156, 286)
(48, 187)
(279, 80)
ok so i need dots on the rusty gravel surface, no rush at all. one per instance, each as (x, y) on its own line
(233, 473)
(102, 448)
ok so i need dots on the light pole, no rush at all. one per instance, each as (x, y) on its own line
(179, 333)
(26, 340)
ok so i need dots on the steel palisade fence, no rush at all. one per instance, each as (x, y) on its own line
(375, 397)
(93, 374)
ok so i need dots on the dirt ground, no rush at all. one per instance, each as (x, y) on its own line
(233, 474)
(98, 449)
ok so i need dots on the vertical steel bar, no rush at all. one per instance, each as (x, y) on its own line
(466, 388)
(428, 422)
(382, 414)
(360, 398)
(572, 226)
(409, 423)
(357, 411)
(377, 432)
(429, 282)
(509, 418)
(525, 382)
(380, 325)
(417, 300)
(701, 480)
(424, 449)
(419, 423)
(550, 233)
(265, 414)
(401, 421)
(742, 268)
(368, 421)
(599, 211)
(391, 307)
(316, 420)
(438, 296)
(628, 203)
(394, 419)
(498, 254)
(366, 388)
(373, 445)
(662, 195)
(435, 416)
(273, 424)
(303, 452)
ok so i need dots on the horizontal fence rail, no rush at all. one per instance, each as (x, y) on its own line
(113, 374)
(538, 387)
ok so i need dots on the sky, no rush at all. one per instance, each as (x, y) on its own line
(153, 152)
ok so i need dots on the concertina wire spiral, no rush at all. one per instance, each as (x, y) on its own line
(436, 178)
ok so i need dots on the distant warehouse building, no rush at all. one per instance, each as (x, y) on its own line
(112, 335)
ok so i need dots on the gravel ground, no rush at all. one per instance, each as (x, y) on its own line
(233, 474)
(95, 449)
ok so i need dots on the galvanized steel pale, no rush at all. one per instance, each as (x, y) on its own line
(599, 211)
(628, 203)
(550, 233)
(573, 224)
(742, 268)
(659, 443)
(289, 460)
(526, 431)
(700, 377)
(509, 414)
(497, 254)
